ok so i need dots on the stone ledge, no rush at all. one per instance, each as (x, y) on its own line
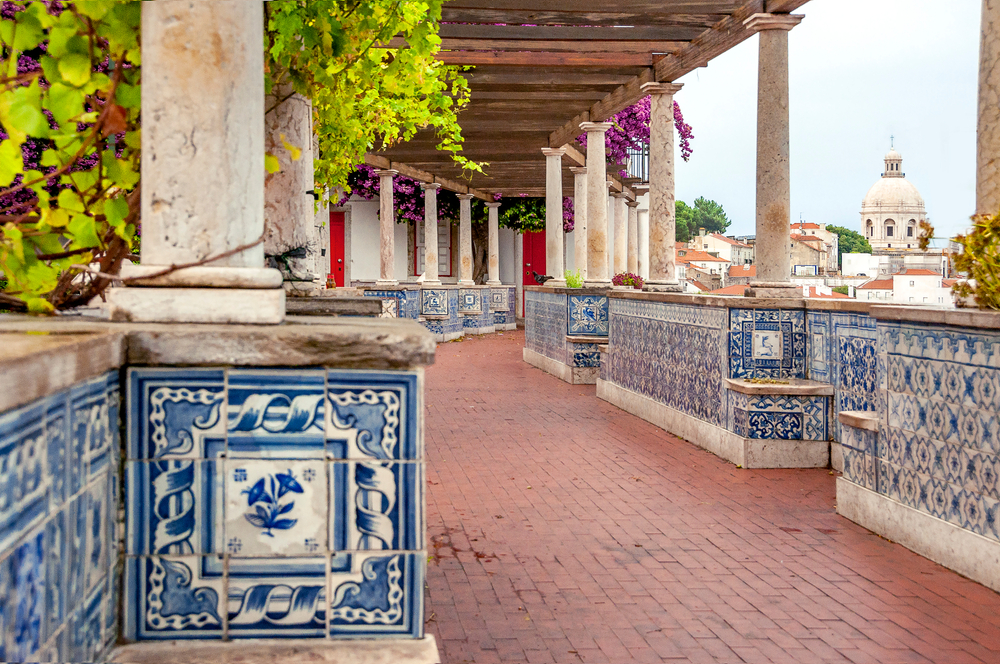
(317, 341)
(794, 387)
(266, 651)
(334, 306)
(859, 419)
(963, 551)
(854, 306)
(583, 339)
(934, 316)
(38, 362)
(589, 290)
(720, 301)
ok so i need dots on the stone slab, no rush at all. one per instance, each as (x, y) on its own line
(287, 651)
(204, 277)
(934, 315)
(334, 306)
(720, 301)
(576, 339)
(197, 305)
(837, 456)
(744, 452)
(859, 419)
(789, 387)
(588, 290)
(963, 551)
(366, 343)
(37, 363)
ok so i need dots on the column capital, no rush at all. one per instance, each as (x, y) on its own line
(465, 197)
(632, 203)
(390, 172)
(554, 152)
(661, 88)
(759, 22)
(640, 189)
(618, 194)
(430, 185)
(578, 170)
(493, 205)
(595, 126)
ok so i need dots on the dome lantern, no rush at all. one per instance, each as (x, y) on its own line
(893, 165)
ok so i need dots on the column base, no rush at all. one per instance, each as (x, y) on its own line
(466, 283)
(430, 282)
(197, 305)
(597, 283)
(773, 289)
(494, 284)
(204, 276)
(663, 287)
(386, 283)
(556, 283)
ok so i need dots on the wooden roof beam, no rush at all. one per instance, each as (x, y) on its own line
(639, 32)
(546, 58)
(500, 44)
(424, 176)
(664, 16)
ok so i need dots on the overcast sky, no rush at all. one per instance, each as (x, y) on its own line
(860, 71)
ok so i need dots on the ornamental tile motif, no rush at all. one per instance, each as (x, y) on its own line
(767, 343)
(782, 417)
(434, 302)
(470, 301)
(498, 299)
(587, 315)
(545, 324)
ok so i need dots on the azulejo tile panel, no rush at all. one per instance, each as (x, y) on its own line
(778, 417)
(498, 299)
(298, 514)
(587, 315)
(58, 461)
(767, 343)
(470, 301)
(434, 301)
(545, 324)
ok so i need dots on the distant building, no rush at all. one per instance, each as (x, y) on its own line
(911, 286)
(702, 266)
(892, 211)
(734, 251)
(819, 238)
(741, 274)
(813, 292)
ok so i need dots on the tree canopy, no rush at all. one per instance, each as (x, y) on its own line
(705, 214)
(850, 242)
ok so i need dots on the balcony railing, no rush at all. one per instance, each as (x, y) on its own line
(637, 166)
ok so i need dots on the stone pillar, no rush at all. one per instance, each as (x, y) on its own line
(580, 218)
(633, 236)
(518, 275)
(431, 234)
(494, 255)
(387, 230)
(465, 240)
(597, 204)
(662, 220)
(621, 233)
(642, 232)
(202, 169)
(773, 168)
(988, 145)
(554, 216)
(290, 243)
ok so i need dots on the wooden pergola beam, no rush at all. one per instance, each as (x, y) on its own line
(572, 16)
(409, 171)
(545, 58)
(498, 44)
(564, 32)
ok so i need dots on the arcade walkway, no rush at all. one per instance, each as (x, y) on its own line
(565, 530)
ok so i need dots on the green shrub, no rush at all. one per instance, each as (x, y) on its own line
(980, 262)
(573, 279)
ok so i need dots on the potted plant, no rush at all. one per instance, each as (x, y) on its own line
(628, 279)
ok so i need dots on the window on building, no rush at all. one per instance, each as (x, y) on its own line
(909, 231)
(888, 231)
(911, 283)
(911, 299)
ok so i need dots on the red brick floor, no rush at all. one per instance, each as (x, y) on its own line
(565, 530)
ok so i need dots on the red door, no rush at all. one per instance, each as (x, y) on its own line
(337, 247)
(534, 259)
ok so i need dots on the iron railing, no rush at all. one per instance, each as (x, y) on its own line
(638, 163)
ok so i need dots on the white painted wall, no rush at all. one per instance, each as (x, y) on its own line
(855, 264)
(401, 265)
(509, 269)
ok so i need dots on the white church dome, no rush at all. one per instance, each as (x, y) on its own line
(893, 210)
(893, 192)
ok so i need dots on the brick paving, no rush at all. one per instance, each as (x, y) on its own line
(565, 530)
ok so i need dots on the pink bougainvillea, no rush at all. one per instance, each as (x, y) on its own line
(630, 131)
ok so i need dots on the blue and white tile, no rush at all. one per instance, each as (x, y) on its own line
(25, 610)
(76, 567)
(470, 300)
(276, 414)
(56, 563)
(57, 437)
(376, 506)
(175, 506)
(498, 299)
(434, 302)
(97, 545)
(373, 415)
(174, 597)
(91, 438)
(86, 628)
(176, 413)
(277, 598)
(587, 315)
(275, 508)
(377, 595)
(24, 481)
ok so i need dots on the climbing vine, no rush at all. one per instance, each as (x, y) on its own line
(369, 68)
(979, 261)
(69, 149)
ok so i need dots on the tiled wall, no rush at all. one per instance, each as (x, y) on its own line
(938, 448)
(842, 352)
(587, 315)
(474, 304)
(778, 417)
(767, 343)
(441, 302)
(502, 304)
(545, 324)
(672, 353)
(397, 303)
(59, 475)
(273, 503)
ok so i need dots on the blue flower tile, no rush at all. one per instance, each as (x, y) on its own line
(175, 507)
(587, 315)
(275, 414)
(176, 413)
(56, 437)
(174, 597)
(275, 508)
(373, 415)
(77, 561)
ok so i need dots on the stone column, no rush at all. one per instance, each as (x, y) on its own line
(642, 233)
(611, 208)
(431, 234)
(633, 236)
(494, 255)
(387, 230)
(202, 169)
(597, 204)
(518, 275)
(662, 220)
(465, 240)
(554, 216)
(580, 218)
(773, 169)
(621, 233)
(988, 145)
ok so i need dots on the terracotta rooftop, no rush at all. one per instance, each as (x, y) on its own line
(743, 271)
(877, 284)
(919, 273)
(729, 240)
(806, 238)
(695, 255)
(806, 225)
(700, 286)
(737, 289)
